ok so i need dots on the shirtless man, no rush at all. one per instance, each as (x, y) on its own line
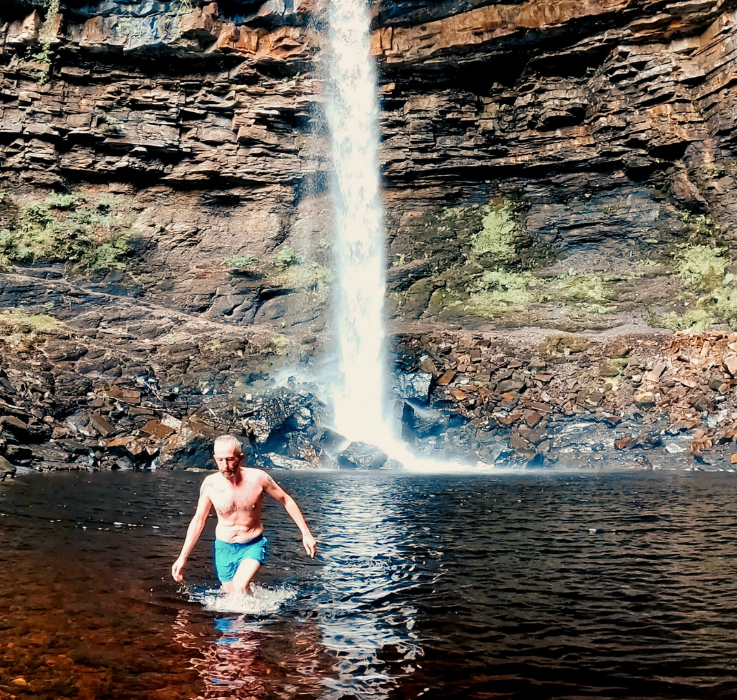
(237, 494)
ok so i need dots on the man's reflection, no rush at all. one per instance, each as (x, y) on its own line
(254, 658)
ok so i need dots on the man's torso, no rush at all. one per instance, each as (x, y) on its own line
(238, 506)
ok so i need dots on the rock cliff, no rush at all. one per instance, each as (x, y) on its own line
(565, 165)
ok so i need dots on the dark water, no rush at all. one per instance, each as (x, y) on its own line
(456, 586)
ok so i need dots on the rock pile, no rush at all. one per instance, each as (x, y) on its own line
(69, 401)
(577, 400)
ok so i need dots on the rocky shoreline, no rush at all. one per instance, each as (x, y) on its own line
(71, 401)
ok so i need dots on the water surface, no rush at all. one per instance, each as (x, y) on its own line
(455, 586)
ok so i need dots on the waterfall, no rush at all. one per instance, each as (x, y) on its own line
(360, 403)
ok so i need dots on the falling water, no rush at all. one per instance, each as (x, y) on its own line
(352, 114)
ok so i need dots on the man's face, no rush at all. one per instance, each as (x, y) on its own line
(228, 460)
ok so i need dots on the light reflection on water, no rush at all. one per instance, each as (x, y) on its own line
(541, 586)
(363, 576)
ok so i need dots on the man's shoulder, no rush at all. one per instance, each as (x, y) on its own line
(210, 480)
(255, 473)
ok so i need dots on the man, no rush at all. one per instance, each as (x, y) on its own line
(237, 493)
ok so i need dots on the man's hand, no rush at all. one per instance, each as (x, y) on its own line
(176, 570)
(310, 544)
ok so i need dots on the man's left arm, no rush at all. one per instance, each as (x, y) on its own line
(275, 491)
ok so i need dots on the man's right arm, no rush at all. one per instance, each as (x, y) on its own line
(193, 532)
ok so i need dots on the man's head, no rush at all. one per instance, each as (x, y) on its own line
(228, 456)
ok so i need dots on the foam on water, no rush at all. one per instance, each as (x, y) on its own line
(262, 601)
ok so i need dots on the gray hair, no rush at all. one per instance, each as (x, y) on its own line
(228, 441)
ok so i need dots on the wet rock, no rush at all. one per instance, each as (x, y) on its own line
(191, 447)
(359, 455)
(510, 385)
(156, 429)
(282, 462)
(19, 454)
(519, 444)
(329, 441)
(624, 442)
(532, 418)
(102, 426)
(427, 365)
(418, 424)
(413, 386)
(701, 402)
(648, 439)
(645, 399)
(590, 398)
(123, 463)
(446, 378)
(6, 468)
(129, 396)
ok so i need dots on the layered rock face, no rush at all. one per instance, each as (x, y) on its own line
(607, 129)
(566, 165)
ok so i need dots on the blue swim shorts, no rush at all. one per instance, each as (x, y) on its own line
(228, 557)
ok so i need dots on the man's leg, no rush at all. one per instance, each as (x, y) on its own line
(243, 577)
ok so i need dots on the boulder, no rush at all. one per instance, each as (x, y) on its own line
(329, 441)
(645, 399)
(446, 378)
(414, 386)
(730, 363)
(360, 455)
(281, 462)
(102, 426)
(611, 367)
(510, 385)
(6, 468)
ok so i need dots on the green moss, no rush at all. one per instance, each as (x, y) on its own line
(286, 258)
(497, 240)
(61, 201)
(107, 256)
(107, 124)
(499, 291)
(701, 266)
(700, 228)
(694, 319)
(65, 229)
(590, 294)
(587, 289)
(16, 321)
(312, 278)
(44, 54)
(725, 303)
(241, 261)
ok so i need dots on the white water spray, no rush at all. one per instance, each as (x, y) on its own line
(352, 112)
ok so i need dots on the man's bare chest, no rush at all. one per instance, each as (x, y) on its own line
(243, 499)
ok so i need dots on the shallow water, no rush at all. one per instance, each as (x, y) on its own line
(455, 586)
